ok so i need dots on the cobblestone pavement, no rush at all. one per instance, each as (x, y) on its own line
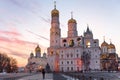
(58, 76)
(61, 76)
(48, 76)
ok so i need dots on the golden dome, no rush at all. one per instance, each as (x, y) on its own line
(104, 44)
(72, 20)
(103, 56)
(111, 46)
(55, 12)
(37, 49)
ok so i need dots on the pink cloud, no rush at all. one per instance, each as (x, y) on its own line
(4, 39)
(12, 44)
(12, 52)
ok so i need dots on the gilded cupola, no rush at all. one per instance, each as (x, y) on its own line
(37, 49)
(71, 20)
(111, 46)
(104, 44)
(55, 12)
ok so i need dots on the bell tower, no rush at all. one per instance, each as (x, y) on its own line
(55, 31)
(72, 27)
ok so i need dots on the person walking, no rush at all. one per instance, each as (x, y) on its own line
(43, 73)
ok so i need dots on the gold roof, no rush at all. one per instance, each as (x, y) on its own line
(72, 20)
(103, 56)
(37, 49)
(55, 12)
(104, 44)
(111, 46)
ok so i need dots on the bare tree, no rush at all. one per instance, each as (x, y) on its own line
(8, 64)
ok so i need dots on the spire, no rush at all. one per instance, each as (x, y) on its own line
(55, 12)
(88, 25)
(88, 28)
(71, 15)
(54, 4)
(110, 41)
(103, 38)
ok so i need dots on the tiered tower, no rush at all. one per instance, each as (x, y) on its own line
(72, 27)
(55, 32)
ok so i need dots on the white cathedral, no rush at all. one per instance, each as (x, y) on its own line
(74, 52)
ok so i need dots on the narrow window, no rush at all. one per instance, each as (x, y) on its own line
(77, 55)
(67, 62)
(61, 56)
(71, 55)
(67, 55)
(62, 62)
(71, 68)
(68, 68)
(64, 45)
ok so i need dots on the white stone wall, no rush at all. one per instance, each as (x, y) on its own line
(68, 58)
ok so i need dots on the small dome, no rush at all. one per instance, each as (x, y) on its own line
(111, 46)
(31, 53)
(44, 53)
(37, 49)
(104, 44)
(55, 12)
(72, 20)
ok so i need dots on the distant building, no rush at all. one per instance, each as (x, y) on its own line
(109, 57)
(119, 63)
(37, 62)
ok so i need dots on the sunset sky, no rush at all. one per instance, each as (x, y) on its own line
(26, 23)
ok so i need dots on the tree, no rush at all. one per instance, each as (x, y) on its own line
(8, 64)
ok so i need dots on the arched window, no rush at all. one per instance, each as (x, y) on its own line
(64, 40)
(51, 53)
(64, 45)
(88, 44)
(71, 43)
(78, 39)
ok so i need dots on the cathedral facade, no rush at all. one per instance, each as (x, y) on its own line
(109, 58)
(36, 62)
(74, 52)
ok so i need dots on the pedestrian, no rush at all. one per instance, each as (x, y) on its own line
(43, 73)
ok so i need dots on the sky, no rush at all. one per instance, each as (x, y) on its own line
(26, 23)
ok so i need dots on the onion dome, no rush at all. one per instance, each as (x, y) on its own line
(72, 20)
(44, 54)
(55, 12)
(37, 49)
(111, 46)
(104, 44)
(31, 54)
